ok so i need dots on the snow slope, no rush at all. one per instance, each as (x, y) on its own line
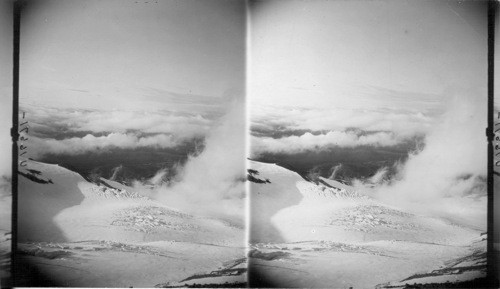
(5, 230)
(82, 234)
(329, 233)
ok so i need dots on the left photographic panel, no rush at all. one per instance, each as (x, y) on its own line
(6, 47)
(132, 123)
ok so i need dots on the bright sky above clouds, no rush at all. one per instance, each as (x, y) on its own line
(364, 53)
(128, 54)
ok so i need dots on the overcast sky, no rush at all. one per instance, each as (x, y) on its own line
(129, 54)
(363, 53)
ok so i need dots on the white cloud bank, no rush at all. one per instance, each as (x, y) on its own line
(48, 120)
(310, 142)
(383, 126)
(403, 122)
(91, 143)
(67, 131)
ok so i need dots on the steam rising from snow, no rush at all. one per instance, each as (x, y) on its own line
(335, 170)
(212, 182)
(115, 172)
(379, 175)
(158, 177)
(447, 176)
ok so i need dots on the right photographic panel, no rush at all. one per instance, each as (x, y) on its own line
(368, 150)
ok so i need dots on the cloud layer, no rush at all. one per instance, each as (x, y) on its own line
(45, 120)
(311, 142)
(382, 124)
(69, 131)
(401, 121)
(91, 143)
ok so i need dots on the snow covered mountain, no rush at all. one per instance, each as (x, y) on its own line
(73, 232)
(78, 233)
(323, 234)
